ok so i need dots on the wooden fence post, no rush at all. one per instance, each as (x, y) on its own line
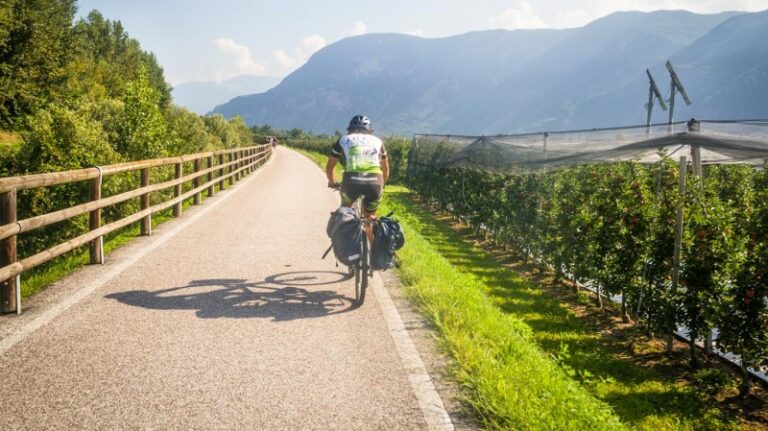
(8, 294)
(240, 162)
(196, 183)
(211, 188)
(231, 168)
(177, 189)
(241, 157)
(94, 221)
(221, 172)
(146, 222)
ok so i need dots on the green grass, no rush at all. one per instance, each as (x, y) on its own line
(507, 378)
(522, 359)
(643, 398)
(321, 160)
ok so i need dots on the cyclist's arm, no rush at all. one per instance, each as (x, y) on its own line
(329, 169)
(384, 163)
(333, 158)
(385, 168)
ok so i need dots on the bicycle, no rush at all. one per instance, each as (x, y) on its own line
(362, 271)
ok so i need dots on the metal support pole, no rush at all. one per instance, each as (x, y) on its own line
(696, 158)
(672, 106)
(10, 289)
(672, 322)
(650, 112)
(698, 171)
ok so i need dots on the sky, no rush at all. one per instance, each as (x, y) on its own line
(212, 41)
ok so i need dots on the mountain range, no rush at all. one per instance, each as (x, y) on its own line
(202, 97)
(501, 82)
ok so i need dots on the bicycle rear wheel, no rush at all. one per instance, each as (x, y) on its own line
(361, 273)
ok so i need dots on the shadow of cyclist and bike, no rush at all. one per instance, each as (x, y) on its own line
(281, 297)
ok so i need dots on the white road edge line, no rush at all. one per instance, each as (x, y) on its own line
(431, 404)
(156, 241)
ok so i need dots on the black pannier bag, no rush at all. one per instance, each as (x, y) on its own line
(346, 236)
(388, 238)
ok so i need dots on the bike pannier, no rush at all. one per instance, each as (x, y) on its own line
(346, 236)
(389, 237)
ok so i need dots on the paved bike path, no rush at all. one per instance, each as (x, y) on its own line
(229, 322)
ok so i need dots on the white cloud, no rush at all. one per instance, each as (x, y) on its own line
(284, 60)
(311, 44)
(419, 33)
(358, 28)
(232, 60)
(521, 16)
(307, 46)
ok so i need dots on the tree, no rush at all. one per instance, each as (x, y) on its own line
(188, 133)
(709, 244)
(142, 129)
(743, 320)
(107, 59)
(35, 47)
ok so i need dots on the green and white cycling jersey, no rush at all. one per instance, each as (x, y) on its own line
(360, 152)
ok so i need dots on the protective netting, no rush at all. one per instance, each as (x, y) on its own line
(719, 142)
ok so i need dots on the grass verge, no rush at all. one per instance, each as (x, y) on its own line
(507, 379)
(643, 398)
(522, 358)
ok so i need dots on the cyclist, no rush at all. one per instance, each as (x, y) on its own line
(366, 167)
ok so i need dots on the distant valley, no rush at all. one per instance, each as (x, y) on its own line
(202, 97)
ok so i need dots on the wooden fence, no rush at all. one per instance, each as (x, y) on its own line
(220, 167)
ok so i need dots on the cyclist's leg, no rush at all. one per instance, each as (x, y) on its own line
(348, 191)
(371, 199)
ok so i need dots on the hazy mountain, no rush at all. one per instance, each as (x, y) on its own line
(514, 81)
(202, 97)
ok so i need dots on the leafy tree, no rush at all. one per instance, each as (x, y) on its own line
(655, 302)
(142, 129)
(108, 59)
(243, 135)
(35, 48)
(708, 246)
(743, 321)
(231, 134)
(59, 139)
(188, 133)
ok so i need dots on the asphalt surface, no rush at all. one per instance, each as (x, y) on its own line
(229, 322)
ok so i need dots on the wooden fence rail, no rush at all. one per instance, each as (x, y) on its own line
(232, 165)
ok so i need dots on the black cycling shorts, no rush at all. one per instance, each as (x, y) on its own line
(369, 186)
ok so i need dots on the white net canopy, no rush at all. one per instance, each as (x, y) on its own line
(719, 142)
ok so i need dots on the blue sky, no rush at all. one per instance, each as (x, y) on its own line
(203, 40)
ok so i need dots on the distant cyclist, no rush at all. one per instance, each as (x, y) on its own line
(366, 167)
